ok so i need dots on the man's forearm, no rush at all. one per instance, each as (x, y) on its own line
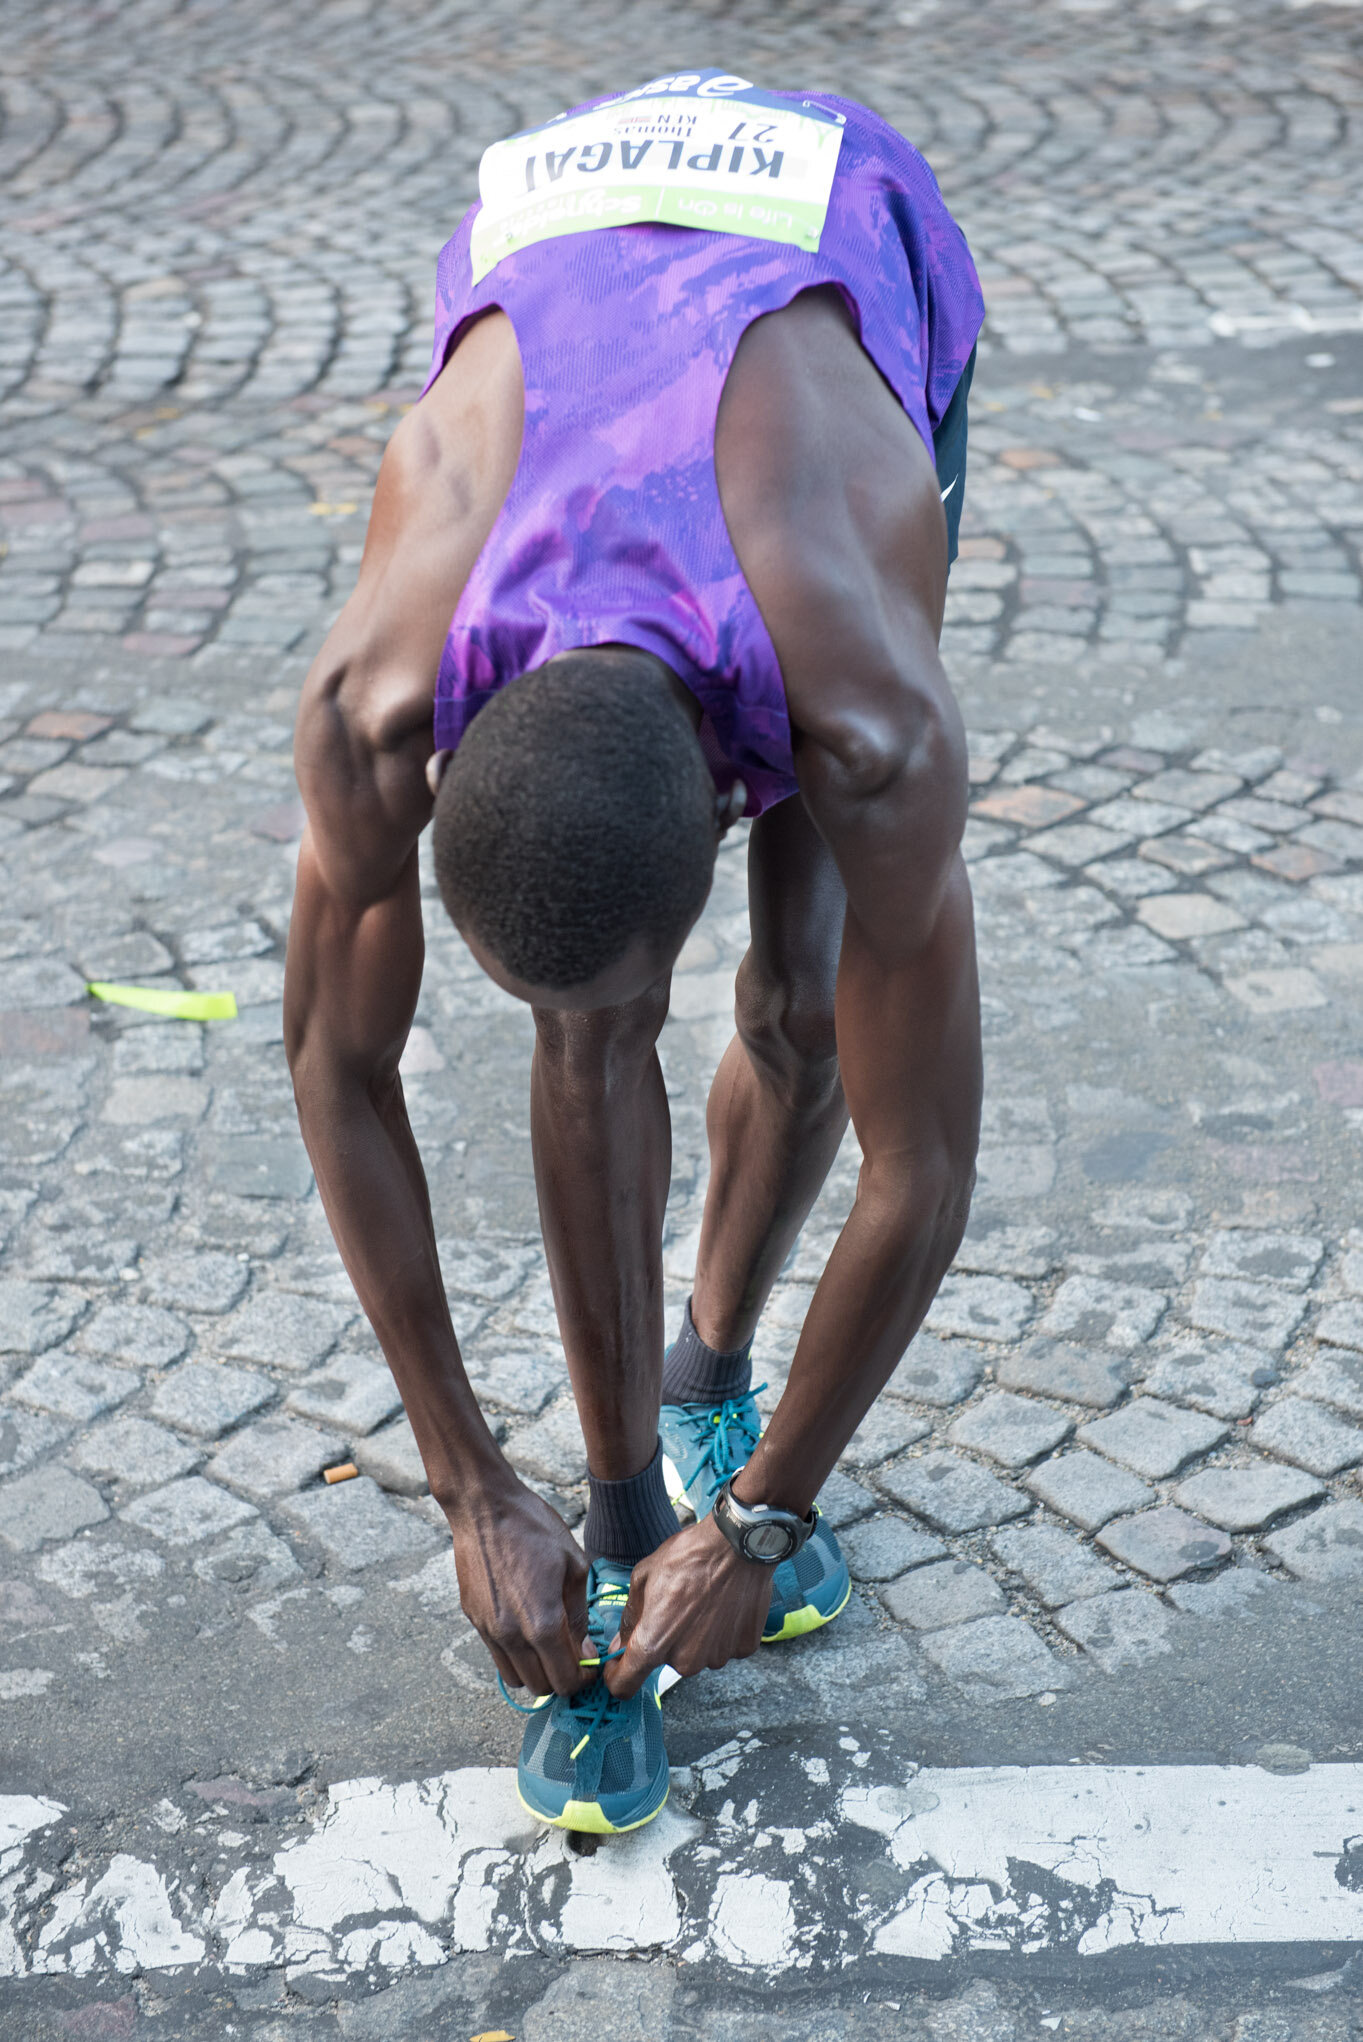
(351, 984)
(874, 1294)
(371, 1182)
(909, 1047)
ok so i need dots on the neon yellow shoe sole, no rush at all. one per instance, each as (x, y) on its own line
(798, 1623)
(588, 1818)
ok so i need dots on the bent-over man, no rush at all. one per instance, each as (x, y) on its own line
(664, 544)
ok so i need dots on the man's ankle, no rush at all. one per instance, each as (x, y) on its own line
(696, 1374)
(626, 1521)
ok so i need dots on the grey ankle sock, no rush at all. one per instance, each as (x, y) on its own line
(628, 1520)
(696, 1374)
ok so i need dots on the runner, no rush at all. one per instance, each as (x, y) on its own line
(686, 479)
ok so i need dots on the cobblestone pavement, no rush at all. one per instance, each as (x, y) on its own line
(1126, 1448)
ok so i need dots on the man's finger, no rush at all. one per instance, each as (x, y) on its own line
(503, 1665)
(575, 1604)
(625, 1676)
(563, 1661)
(533, 1673)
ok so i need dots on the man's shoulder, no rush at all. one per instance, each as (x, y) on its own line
(832, 504)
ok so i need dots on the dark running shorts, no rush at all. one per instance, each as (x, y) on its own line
(948, 447)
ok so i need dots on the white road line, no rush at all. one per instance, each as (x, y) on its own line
(772, 1865)
(1157, 1855)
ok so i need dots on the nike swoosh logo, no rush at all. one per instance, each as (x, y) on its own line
(950, 486)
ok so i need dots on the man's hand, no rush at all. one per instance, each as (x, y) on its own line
(693, 1603)
(523, 1585)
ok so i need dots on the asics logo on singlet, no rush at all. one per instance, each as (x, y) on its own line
(720, 87)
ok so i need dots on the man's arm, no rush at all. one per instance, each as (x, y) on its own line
(354, 973)
(843, 544)
(909, 1053)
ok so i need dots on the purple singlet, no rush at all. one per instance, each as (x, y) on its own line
(613, 532)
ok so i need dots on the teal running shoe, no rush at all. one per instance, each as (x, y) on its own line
(589, 1761)
(810, 1590)
(703, 1444)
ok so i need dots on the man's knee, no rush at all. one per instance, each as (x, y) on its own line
(788, 1028)
(592, 1050)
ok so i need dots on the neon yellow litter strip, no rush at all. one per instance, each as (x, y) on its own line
(175, 1006)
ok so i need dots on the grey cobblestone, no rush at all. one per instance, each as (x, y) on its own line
(356, 1526)
(949, 1493)
(1326, 1546)
(186, 1511)
(351, 1391)
(73, 1386)
(1164, 1544)
(207, 1401)
(1333, 1378)
(34, 1317)
(1342, 1325)
(1245, 1499)
(942, 1593)
(1088, 1308)
(1057, 1567)
(273, 1457)
(938, 1372)
(882, 1548)
(1127, 1628)
(886, 1429)
(981, 1308)
(1246, 1312)
(1072, 1375)
(204, 1282)
(1289, 1259)
(391, 1457)
(997, 1657)
(550, 1446)
(1086, 1489)
(139, 1334)
(135, 1452)
(48, 1503)
(1226, 1382)
(1152, 1438)
(1308, 1436)
(1010, 1430)
(26, 1436)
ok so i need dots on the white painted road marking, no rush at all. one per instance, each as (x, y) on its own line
(776, 1865)
(1178, 1854)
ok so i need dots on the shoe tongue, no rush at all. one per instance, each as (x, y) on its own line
(607, 1577)
(607, 1594)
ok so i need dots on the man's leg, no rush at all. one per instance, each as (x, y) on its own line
(602, 1141)
(776, 1114)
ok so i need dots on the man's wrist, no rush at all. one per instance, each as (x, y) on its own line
(476, 1487)
(757, 1483)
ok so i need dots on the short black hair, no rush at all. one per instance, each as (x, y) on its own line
(577, 814)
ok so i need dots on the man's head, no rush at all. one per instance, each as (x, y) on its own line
(576, 828)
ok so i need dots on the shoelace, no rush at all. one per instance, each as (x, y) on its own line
(595, 1708)
(726, 1437)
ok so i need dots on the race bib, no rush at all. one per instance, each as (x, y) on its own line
(699, 149)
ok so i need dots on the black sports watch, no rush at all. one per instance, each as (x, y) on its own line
(758, 1531)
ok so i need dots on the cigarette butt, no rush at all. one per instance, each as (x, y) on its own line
(345, 1473)
(493, 2035)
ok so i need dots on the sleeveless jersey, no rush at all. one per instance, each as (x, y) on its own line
(613, 532)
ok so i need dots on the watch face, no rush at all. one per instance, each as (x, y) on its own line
(768, 1542)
